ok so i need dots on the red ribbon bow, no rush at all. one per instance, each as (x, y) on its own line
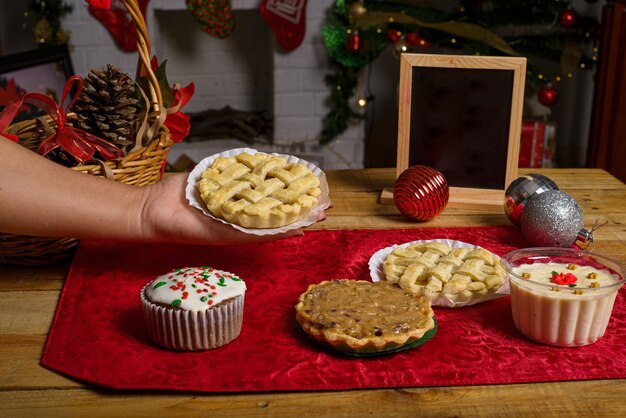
(79, 144)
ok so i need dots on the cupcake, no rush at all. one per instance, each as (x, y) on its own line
(194, 308)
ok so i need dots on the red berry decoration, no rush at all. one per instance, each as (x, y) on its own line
(421, 192)
(548, 95)
(568, 19)
(354, 43)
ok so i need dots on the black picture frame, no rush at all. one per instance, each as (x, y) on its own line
(44, 70)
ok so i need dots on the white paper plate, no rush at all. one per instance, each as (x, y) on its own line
(377, 273)
(193, 195)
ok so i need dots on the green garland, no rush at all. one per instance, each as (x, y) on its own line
(529, 28)
(48, 15)
(335, 122)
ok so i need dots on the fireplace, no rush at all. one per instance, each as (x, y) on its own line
(249, 72)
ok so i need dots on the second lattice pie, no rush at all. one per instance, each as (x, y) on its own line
(258, 190)
(436, 269)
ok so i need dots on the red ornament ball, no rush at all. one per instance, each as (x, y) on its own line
(394, 35)
(568, 19)
(421, 192)
(354, 43)
(413, 38)
(424, 43)
(548, 95)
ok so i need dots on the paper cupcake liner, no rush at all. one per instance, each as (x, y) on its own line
(377, 274)
(193, 195)
(177, 329)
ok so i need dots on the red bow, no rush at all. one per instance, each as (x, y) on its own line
(78, 143)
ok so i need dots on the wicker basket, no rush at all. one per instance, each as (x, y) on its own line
(139, 167)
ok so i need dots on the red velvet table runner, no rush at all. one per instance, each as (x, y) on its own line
(98, 335)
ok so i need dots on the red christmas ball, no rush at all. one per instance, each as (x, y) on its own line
(424, 43)
(568, 18)
(413, 38)
(354, 43)
(421, 192)
(394, 35)
(547, 95)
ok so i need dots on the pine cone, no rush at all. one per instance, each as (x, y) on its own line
(106, 107)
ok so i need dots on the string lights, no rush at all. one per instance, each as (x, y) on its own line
(556, 40)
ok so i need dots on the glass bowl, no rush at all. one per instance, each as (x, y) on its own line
(557, 310)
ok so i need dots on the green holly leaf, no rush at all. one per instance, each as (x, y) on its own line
(166, 89)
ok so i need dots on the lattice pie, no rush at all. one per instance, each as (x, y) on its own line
(258, 191)
(435, 269)
(363, 317)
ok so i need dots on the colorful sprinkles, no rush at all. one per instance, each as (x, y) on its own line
(195, 288)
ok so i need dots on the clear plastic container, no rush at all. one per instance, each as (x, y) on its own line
(568, 315)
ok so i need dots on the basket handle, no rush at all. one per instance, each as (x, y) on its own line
(143, 49)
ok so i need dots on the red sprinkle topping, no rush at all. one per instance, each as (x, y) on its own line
(563, 278)
(185, 294)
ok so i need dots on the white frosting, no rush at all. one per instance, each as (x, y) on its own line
(194, 288)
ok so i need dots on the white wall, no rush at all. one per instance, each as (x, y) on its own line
(246, 71)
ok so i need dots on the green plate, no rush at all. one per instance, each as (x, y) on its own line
(413, 344)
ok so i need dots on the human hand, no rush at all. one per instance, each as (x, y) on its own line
(167, 216)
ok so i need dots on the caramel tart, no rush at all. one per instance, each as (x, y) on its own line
(357, 316)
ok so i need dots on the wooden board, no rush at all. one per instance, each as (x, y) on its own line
(462, 115)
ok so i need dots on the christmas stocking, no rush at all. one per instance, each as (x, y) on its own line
(119, 23)
(287, 19)
(215, 16)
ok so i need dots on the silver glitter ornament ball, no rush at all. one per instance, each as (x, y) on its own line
(522, 189)
(552, 219)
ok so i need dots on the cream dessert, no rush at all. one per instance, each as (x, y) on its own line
(563, 304)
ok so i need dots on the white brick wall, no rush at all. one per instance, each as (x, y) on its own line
(246, 71)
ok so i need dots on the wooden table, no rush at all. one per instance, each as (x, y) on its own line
(30, 296)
